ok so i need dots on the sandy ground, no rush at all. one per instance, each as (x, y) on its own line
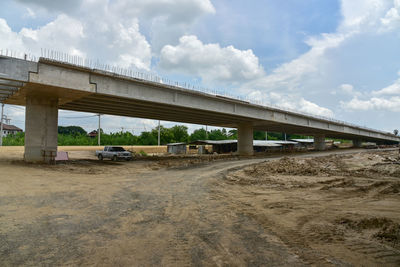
(77, 152)
(339, 209)
(331, 210)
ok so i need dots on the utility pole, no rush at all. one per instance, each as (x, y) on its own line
(6, 119)
(159, 133)
(266, 136)
(1, 127)
(206, 132)
(98, 132)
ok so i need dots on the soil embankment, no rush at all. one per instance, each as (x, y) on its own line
(343, 209)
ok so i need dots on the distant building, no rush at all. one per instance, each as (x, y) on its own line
(309, 143)
(305, 143)
(176, 148)
(93, 134)
(228, 146)
(10, 129)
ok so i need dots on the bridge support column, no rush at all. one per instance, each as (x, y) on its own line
(245, 139)
(319, 142)
(357, 143)
(41, 121)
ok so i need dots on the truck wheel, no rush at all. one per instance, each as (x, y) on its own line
(100, 157)
(114, 158)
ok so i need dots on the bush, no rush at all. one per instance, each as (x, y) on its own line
(142, 153)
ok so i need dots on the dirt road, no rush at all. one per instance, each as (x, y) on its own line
(128, 214)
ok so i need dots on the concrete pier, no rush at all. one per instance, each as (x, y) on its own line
(319, 142)
(245, 139)
(41, 122)
(357, 143)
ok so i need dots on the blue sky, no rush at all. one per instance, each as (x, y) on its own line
(339, 59)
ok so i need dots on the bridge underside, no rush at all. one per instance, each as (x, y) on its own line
(111, 105)
(105, 104)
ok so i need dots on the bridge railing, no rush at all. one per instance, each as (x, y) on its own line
(65, 58)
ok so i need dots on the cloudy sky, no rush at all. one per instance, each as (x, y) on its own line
(336, 58)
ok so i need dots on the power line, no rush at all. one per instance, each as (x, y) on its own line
(80, 117)
(15, 107)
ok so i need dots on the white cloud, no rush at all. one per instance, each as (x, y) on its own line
(392, 17)
(115, 41)
(174, 11)
(210, 61)
(30, 13)
(292, 74)
(387, 98)
(393, 89)
(54, 5)
(375, 103)
(298, 78)
(106, 29)
(349, 90)
(312, 108)
(9, 39)
(165, 20)
(289, 102)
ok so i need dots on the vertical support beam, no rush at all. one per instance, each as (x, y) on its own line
(245, 139)
(319, 142)
(41, 122)
(159, 134)
(98, 133)
(357, 143)
(1, 126)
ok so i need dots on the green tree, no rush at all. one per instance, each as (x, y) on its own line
(233, 134)
(218, 134)
(74, 130)
(146, 139)
(259, 135)
(166, 135)
(198, 134)
(17, 139)
(179, 133)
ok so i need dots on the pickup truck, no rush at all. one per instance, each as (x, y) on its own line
(114, 153)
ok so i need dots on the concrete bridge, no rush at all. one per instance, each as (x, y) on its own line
(47, 85)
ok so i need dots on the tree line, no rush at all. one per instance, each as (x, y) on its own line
(77, 136)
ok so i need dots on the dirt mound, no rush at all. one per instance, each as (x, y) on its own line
(362, 165)
(393, 188)
(389, 233)
(382, 228)
(365, 223)
(290, 166)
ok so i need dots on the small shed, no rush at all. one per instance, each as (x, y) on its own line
(264, 146)
(218, 146)
(286, 145)
(309, 143)
(176, 148)
(305, 143)
(228, 146)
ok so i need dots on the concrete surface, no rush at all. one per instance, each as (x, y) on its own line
(245, 139)
(41, 121)
(319, 142)
(90, 90)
